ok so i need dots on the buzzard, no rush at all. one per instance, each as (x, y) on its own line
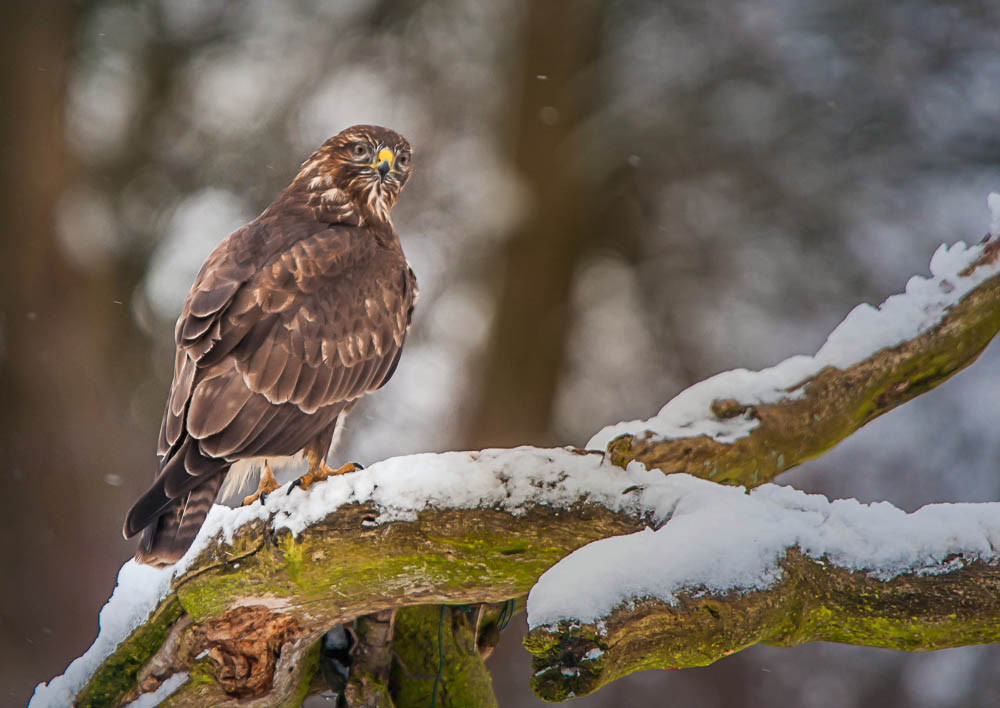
(291, 320)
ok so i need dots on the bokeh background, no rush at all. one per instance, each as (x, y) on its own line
(611, 201)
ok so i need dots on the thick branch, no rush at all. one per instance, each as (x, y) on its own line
(338, 569)
(814, 601)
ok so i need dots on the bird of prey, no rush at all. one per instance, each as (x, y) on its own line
(291, 320)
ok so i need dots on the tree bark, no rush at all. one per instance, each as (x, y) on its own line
(270, 598)
(437, 659)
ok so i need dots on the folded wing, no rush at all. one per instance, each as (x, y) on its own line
(271, 347)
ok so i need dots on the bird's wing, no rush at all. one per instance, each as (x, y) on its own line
(270, 350)
(318, 324)
(197, 332)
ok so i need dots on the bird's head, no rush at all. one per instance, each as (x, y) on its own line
(364, 166)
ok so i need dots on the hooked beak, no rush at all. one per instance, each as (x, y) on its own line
(383, 163)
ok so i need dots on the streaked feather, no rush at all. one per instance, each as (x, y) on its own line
(215, 403)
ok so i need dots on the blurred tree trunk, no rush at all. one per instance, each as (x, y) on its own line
(64, 348)
(551, 95)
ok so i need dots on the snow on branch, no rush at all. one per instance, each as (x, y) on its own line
(241, 616)
(746, 427)
(729, 569)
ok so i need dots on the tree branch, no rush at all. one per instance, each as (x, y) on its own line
(271, 585)
(832, 403)
(814, 601)
(241, 618)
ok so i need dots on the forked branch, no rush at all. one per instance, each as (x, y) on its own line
(241, 620)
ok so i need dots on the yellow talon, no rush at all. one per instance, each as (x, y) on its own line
(320, 471)
(266, 485)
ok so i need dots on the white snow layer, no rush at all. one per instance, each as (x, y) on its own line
(865, 331)
(721, 538)
(139, 590)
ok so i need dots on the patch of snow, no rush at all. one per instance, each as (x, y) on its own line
(507, 479)
(155, 698)
(137, 593)
(690, 553)
(863, 332)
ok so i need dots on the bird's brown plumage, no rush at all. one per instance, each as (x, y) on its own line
(291, 319)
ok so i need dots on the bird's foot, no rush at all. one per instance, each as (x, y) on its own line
(321, 472)
(266, 485)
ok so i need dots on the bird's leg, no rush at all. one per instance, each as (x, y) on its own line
(266, 485)
(319, 470)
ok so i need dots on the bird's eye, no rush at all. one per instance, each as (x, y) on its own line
(359, 150)
(403, 159)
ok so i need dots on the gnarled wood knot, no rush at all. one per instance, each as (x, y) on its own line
(246, 643)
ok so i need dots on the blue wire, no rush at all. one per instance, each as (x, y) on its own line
(437, 678)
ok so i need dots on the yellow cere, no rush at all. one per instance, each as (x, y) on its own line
(385, 154)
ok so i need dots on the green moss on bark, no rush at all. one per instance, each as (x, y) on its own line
(117, 674)
(469, 552)
(438, 659)
(307, 669)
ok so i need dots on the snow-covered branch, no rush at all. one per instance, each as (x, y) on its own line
(729, 569)
(746, 427)
(687, 571)
(455, 528)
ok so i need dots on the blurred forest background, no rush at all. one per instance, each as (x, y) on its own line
(610, 201)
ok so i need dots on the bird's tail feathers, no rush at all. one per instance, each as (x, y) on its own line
(168, 538)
